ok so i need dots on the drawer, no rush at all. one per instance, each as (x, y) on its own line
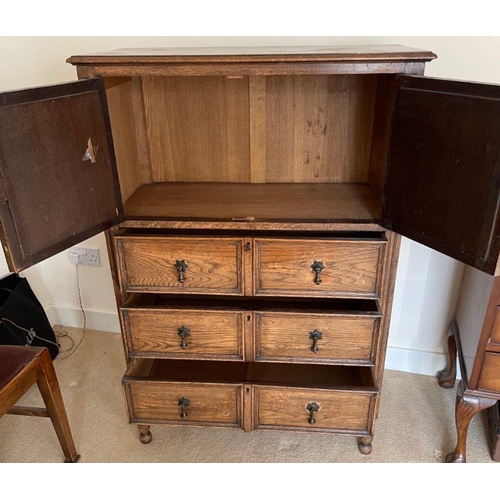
(489, 380)
(315, 338)
(318, 267)
(184, 333)
(250, 395)
(340, 411)
(162, 392)
(172, 264)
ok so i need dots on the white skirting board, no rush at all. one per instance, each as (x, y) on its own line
(399, 359)
(414, 361)
(104, 321)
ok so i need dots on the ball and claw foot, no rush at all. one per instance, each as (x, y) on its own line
(145, 435)
(365, 445)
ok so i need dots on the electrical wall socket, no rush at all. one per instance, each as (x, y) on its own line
(88, 256)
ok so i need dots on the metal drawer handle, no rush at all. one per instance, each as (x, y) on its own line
(317, 268)
(312, 408)
(183, 403)
(315, 335)
(181, 267)
(183, 332)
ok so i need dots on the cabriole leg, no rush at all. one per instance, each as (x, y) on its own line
(466, 407)
(447, 377)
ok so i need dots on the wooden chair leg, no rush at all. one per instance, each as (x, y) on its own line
(52, 397)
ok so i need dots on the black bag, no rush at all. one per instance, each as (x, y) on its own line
(22, 318)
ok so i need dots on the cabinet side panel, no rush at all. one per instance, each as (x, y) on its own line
(386, 88)
(120, 102)
(389, 270)
(198, 128)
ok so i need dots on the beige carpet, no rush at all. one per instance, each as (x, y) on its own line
(415, 424)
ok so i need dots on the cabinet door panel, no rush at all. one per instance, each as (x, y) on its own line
(443, 168)
(53, 194)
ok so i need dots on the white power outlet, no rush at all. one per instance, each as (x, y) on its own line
(88, 256)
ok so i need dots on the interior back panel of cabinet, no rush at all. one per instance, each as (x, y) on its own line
(198, 128)
(260, 128)
(314, 128)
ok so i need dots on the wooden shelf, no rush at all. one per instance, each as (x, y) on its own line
(240, 202)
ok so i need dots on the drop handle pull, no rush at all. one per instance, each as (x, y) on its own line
(317, 268)
(183, 403)
(315, 335)
(312, 408)
(183, 332)
(181, 267)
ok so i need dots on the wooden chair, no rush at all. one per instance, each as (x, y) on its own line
(20, 368)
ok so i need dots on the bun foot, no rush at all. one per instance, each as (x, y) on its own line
(145, 435)
(365, 445)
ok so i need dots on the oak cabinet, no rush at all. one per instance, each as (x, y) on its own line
(253, 201)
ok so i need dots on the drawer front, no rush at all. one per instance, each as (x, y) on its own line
(341, 411)
(181, 265)
(207, 403)
(314, 338)
(184, 333)
(318, 268)
(489, 379)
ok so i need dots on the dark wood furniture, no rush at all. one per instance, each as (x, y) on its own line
(494, 427)
(474, 338)
(20, 368)
(254, 201)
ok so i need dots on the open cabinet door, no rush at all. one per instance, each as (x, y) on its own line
(59, 183)
(443, 169)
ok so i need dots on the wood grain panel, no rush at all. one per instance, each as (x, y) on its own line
(147, 264)
(198, 128)
(443, 161)
(50, 197)
(209, 403)
(286, 407)
(123, 126)
(255, 202)
(283, 267)
(285, 336)
(239, 69)
(318, 128)
(489, 380)
(495, 330)
(213, 334)
(276, 54)
(386, 86)
(258, 128)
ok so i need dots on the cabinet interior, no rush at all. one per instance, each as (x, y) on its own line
(319, 376)
(264, 147)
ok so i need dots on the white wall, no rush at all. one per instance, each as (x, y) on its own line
(428, 282)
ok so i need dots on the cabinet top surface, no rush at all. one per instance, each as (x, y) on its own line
(257, 54)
